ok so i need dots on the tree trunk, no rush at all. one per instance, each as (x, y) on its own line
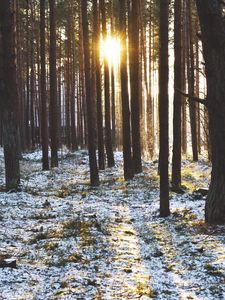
(127, 156)
(53, 87)
(150, 105)
(113, 101)
(213, 39)
(32, 79)
(163, 108)
(108, 133)
(44, 118)
(68, 78)
(134, 85)
(183, 102)
(20, 79)
(96, 31)
(74, 82)
(27, 104)
(89, 100)
(191, 84)
(9, 95)
(176, 161)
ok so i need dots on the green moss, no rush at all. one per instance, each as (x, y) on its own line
(143, 289)
(169, 268)
(43, 216)
(31, 192)
(38, 237)
(213, 271)
(51, 245)
(63, 192)
(86, 238)
(71, 224)
(75, 258)
(57, 234)
(64, 284)
(83, 194)
(82, 229)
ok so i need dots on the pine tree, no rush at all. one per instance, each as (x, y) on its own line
(9, 95)
(53, 87)
(211, 17)
(134, 57)
(44, 117)
(127, 154)
(96, 32)
(89, 100)
(163, 108)
(108, 133)
(176, 161)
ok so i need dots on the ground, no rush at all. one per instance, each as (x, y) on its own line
(71, 241)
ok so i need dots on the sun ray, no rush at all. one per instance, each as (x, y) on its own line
(110, 49)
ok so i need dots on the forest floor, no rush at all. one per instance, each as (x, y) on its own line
(71, 241)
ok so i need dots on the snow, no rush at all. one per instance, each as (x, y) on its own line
(72, 241)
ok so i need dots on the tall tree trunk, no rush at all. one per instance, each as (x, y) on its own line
(53, 87)
(32, 78)
(83, 108)
(96, 31)
(213, 39)
(127, 155)
(183, 102)
(163, 108)
(27, 105)
(134, 57)
(44, 118)
(19, 64)
(74, 83)
(1, 89)
(89, 100)
(150, 107)
(191, 85)
(9, 95)
(113, 101)
(108, 133)
(68, 78)
(59, 90)
(197, 87)
(176, 161)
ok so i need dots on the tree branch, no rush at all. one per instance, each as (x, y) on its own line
(193, 98)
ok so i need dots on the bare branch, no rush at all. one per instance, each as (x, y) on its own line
(193, 98)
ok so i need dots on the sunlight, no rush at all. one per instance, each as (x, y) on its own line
(110, 49)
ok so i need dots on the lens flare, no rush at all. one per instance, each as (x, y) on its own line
(110, 49)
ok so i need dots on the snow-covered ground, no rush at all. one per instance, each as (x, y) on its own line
(72, 241)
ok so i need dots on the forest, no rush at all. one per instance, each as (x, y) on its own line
(112, 149)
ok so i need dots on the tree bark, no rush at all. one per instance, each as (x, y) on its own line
(163, 108)
(27, 104)
(127, 155)
(108, 133)
(96, 30)
(9, 95)
(89, 100)
(213, 40)
(44, 117)
(74, 83)
(32, 79)
(191, 84)
(176, 160)
(53, 88)
(134, 56)
(183, 102)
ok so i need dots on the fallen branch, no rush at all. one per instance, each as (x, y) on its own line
(8, 263)
(193, 98)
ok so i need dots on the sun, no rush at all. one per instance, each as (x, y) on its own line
(110, 49)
